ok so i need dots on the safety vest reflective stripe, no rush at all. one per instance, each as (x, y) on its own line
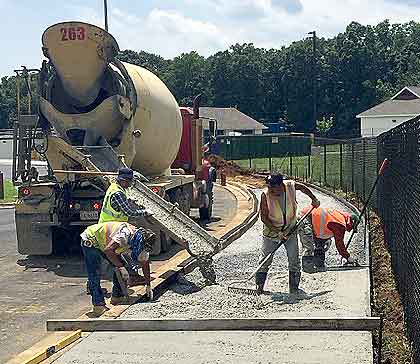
(275, 212)
(100, 234)
(321, 217)
(107, 212)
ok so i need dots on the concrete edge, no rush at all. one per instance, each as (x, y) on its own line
(50, 341)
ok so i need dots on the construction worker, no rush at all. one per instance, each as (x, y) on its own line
(278, 208)
(117, 207)
(108, 241)
(320, 227)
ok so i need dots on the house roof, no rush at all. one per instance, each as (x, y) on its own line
(229, 118)
(405, 103)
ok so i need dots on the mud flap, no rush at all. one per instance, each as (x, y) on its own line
(33, 238)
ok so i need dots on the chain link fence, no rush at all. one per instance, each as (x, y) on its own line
(399, 210)
(347, 165)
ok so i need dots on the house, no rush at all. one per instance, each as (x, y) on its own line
(230, 121)
(401, 107)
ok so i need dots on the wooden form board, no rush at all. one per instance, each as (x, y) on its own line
(242, 324)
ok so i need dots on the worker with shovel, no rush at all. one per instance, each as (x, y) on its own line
(278, 208)
(108, 241)
(117, 207)
(321, 225)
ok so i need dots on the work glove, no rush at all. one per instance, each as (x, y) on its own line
(149, 292)
(316, 203)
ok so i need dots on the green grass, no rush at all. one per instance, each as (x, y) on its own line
(10, 192)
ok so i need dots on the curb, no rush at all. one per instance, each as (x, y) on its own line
(7, 205)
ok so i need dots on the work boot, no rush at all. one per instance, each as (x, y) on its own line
(118, 300)
(260, 278)
(308, 264)
(136, 280)
(294, 280)
(98, 310)
(319, 258)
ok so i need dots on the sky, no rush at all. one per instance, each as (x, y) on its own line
(171, 27)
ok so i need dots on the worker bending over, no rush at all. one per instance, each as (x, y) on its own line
(117, 207)
(320, 227)
(108, 241)
(278, 208)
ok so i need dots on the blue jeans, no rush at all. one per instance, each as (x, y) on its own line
(93, 261)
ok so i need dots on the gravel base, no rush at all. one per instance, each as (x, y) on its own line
(328, 294)
(191, 298)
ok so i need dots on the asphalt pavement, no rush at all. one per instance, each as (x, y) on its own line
(37, 288)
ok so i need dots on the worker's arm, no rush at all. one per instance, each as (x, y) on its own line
(112, 256)
(339, 231)
(120, 203)
(301, 187)
(145, 267)
(264, 213)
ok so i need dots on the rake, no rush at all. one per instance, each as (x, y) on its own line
(251, 291)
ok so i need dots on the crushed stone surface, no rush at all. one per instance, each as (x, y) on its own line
(191, 298)
(331, 293)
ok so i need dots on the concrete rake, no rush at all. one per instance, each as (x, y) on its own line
(252, 291)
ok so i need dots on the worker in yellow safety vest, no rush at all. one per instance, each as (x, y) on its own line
(320, 227)
(278, 208)
(108, 241)
(117, 207)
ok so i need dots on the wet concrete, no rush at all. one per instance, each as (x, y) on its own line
(37, 288)
(337, 293)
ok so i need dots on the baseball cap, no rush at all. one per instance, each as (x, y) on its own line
(274, 180)
(125, 174)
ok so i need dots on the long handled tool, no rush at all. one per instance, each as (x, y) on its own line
(384, 165)
(122, 282)
(253, 292)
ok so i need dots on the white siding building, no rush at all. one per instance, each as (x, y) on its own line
(403, 106)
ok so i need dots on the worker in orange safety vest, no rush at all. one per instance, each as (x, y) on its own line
(316, 233)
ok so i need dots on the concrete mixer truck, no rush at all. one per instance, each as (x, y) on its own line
(95, 115)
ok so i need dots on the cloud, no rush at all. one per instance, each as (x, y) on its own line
(291, 6)
(166, 32)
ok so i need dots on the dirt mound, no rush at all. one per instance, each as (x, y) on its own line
(230, 168)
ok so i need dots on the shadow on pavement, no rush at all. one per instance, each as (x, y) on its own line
(65, 266)
(287, 298)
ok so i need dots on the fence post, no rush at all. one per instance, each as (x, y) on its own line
(364, 169)
(249, 153)
(352, 166)
(341, 166)
(325, 164)
(309, 163)
(291, 165)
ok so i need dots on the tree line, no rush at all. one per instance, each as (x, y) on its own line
(353, 71)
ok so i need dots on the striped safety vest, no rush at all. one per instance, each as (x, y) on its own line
(107, 212)
(101, 234)
(275, 212)
(321, 217)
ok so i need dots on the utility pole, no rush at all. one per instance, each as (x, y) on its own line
(314, 79)
(106, 14)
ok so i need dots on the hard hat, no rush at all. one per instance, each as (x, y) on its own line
(125, 174)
